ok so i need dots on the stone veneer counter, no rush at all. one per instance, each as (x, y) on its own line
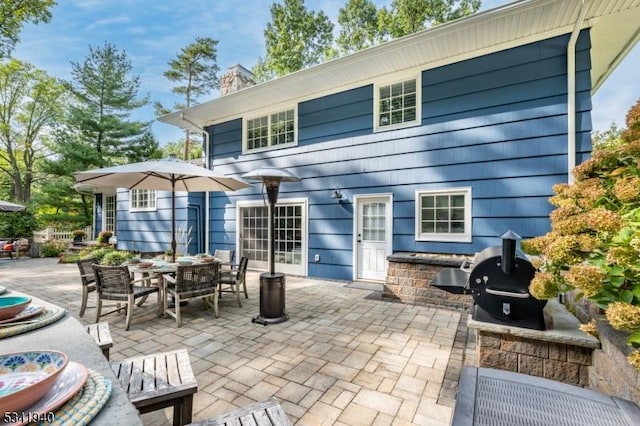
(409, 278)
(563, 352)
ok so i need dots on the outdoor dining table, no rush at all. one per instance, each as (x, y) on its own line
(68, 335)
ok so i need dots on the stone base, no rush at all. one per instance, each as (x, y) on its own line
(562, 352)
(409, 280)
(611, 373)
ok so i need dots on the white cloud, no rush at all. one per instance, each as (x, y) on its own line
(122, 19)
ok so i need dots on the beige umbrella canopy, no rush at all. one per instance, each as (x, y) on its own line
(6, 206)
(169, 174)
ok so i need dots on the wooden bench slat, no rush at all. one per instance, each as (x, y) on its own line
(277, 415)
(262, 419)
(173, 375)
(246, 420)
(162, 382)
(135, 381)
(148, 383)
(184, 367)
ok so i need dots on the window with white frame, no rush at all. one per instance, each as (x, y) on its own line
(397, 104)
(270, 130)
(142, 199)
(443, 215)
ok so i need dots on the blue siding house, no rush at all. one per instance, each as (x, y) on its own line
(437, 142)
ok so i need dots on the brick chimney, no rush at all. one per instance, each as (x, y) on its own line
(236, 78)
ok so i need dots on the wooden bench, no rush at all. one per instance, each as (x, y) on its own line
(102, 336)
(263, 413)
(160, 380)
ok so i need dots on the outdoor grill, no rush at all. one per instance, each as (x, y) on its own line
(498, 279)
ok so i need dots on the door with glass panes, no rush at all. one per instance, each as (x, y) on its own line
(373, 239)
(290, 236)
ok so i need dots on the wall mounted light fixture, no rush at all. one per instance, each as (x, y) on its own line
(337, 195)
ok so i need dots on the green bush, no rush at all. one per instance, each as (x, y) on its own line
(18, 225)
(593, 248)
(96, 252)
(115, 258)
(53, 248)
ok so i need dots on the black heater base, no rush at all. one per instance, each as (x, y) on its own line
(272, 299)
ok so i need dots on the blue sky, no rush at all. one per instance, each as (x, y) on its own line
(153, 31)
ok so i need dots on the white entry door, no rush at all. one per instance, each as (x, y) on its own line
(373, 236)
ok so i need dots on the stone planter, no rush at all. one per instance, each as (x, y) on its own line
(611, 373)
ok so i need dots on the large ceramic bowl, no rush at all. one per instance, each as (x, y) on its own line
(25, 377)
(11, 306)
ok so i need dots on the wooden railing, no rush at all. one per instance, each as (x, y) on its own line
(49, 234)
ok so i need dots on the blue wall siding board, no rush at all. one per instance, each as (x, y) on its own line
(496, 123)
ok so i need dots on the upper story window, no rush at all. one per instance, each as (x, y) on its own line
(270, 130)
(443, 215)
(397, 104)
(142, 199)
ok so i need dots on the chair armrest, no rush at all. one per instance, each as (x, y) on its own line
(169, 278)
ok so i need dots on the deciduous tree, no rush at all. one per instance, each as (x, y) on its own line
(358, 21)
(31, 103)
(14, 14)
(409, 16)
(194, 71)
(296, 38)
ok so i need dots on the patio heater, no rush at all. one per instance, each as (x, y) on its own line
(272, 284)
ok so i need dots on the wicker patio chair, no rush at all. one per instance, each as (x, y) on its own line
(88, 278)
(190, 282)
(115, 283)
(230, 281)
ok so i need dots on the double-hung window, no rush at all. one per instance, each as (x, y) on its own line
(142, 200)
(443, 215)
(272, 130)
(397, 104)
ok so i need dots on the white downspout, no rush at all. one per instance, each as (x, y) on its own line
(206, 196)
(571, 93)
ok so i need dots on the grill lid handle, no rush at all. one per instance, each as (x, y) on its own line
(507, 293)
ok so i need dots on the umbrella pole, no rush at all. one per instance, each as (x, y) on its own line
(173, 221)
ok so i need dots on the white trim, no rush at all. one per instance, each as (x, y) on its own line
(274, 109)
(143, 209)
(389, 80)
(468, 217)
(104, 211)
(305, 232)
(356, 200)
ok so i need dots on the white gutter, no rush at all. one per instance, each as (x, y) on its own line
(571, 93)
(206, 163)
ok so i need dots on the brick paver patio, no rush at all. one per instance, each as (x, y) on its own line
(345, 357)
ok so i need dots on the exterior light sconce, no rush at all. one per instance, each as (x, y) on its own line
(337, 195)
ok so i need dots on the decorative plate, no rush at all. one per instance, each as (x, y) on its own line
(11, 306)
(145, 265)
(26, 376)
(66, 386)
(28, 312)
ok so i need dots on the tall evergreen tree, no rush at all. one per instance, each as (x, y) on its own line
(358, 21)
(295, 39)
(105, 95)
(14, 14)
(195, 72)
(98, 130)
(31, 103)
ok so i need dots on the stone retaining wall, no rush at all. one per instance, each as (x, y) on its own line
(409, 277)
(562, 362)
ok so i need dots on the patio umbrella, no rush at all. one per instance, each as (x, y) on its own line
(6, 206)
(169, 174)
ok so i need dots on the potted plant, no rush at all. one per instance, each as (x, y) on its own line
(78, 235)
(168, 255)
(103, 237)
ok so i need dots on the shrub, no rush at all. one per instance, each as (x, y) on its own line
(96, 252)
(593, 247)
(53, 248)
(115, 258)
